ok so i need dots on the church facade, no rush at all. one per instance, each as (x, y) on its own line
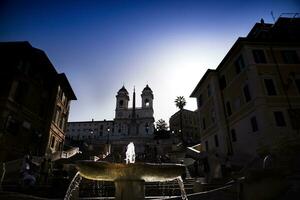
(134, 121)
(131, 124)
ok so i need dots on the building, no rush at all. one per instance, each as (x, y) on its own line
(34, 102)
(130, 124)
(190, 125)
(251, 101)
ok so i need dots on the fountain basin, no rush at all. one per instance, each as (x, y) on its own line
(147, 172)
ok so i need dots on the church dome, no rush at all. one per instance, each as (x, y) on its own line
(147, 88)
(123, 90)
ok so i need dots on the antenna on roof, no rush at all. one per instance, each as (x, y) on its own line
(272, 14)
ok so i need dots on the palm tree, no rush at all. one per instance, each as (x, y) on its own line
(180, 102)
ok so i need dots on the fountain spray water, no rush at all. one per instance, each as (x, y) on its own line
(130, 153)
(180, 183)
(73, 185)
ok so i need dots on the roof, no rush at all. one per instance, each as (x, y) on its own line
(23, 49)
(20, 49)
(66, 85)
(103, 121)
(201, 81)
(147, 88)
(123, 90)
(183, 111)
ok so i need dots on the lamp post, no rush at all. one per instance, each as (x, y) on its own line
(108, 146)
(108, 129)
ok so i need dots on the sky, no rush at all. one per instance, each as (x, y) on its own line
(103, 45)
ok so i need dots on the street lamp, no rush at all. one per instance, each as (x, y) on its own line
(108, 129)
(108, 146)
(92, 133)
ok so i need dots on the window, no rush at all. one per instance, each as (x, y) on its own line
(60, 146)
(259, 56)
(206, 145)
(203, 124)
(62, 122)
(59, 92)
(208, 90)
(239, 64)
(297, 82)
(247, 93)
(222, 82)
(57, 115)
(147, 102)
(290, 57)
(254, 124)
(228, 108)
(270, 87)
(213, 115)
(121, 103)
(52, 142)
(200, 100)
(216, 141)
(233, 135)
(279, 118)
(63, 98)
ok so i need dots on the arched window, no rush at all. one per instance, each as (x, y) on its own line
(121, 103)
(147, 102)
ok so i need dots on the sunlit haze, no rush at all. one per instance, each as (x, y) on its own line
(102, 45)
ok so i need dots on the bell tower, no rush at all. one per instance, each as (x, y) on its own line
(122, 102)
(147, 97)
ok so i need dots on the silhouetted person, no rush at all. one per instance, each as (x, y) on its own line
(27, 174)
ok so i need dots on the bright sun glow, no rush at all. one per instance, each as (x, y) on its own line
(177, 65)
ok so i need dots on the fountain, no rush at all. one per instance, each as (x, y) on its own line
(130, 178)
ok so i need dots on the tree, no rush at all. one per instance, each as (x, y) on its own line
(161, 125)
(180, 102)
(161, 130)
